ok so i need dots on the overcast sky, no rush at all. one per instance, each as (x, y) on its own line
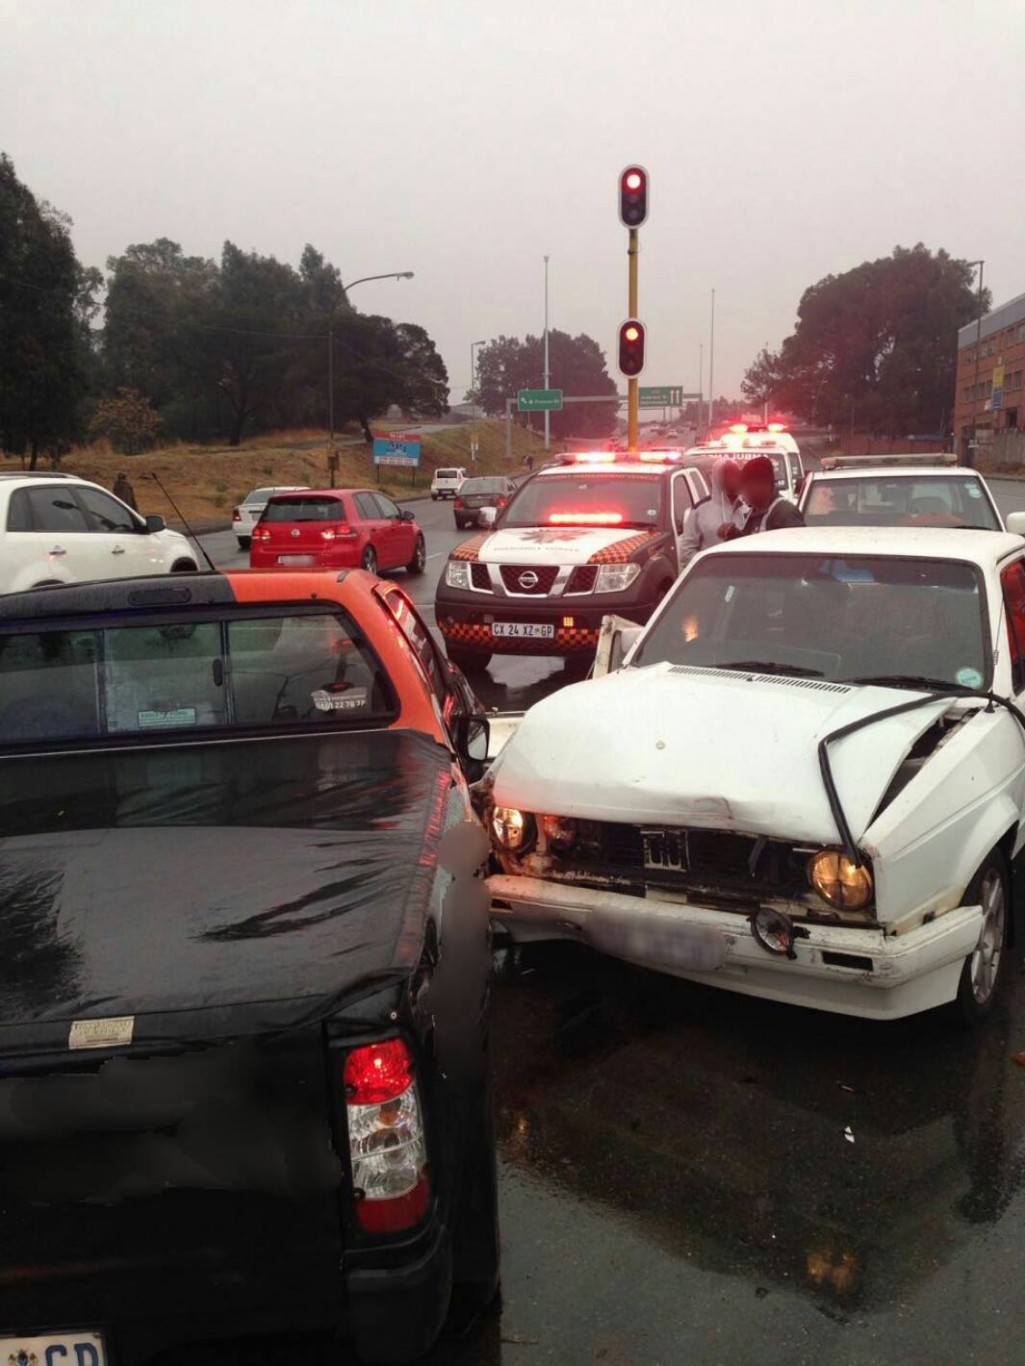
(465, 139)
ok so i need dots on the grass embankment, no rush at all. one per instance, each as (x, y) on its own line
(207, 481)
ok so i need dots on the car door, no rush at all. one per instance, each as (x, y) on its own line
(1012, 583)
(400, 535)
(373, 528)
(63, 545)
(129, 550)
(685, 494)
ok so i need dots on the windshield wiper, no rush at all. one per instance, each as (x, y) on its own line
(920, 681)
(769, 666)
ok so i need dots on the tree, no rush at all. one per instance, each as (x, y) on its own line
(577, 367)
(128, 419)
(875, 347)
(42, 370)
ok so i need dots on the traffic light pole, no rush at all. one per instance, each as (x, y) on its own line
(632, 385)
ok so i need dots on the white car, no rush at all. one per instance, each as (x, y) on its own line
(57, 528)
(805, 782)
(788, 466)
(446, 483)
(876, 493)
(250, 510)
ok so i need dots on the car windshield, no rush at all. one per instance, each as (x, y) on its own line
(304, 510)
(587, 500)
(847, 620)
(483, 486)
(882, 500)
(778, 458)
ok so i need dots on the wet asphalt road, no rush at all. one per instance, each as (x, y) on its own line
(689, 1176)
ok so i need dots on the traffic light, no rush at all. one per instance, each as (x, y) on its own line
(633, 196)
(631, 348)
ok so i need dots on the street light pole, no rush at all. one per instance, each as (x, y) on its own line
(711, 370)
(476, 396)
(388, 275)
(973, 451)
(701, 379)
(548, 422)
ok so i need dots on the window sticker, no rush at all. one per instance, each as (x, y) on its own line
(969, 678)
(352, 699)
(173, 716)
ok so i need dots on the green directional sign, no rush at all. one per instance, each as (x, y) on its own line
(539, 400)
(665, 397)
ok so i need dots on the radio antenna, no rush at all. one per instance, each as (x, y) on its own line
(184, 520)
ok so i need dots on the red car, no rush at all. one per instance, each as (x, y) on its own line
(337, 529)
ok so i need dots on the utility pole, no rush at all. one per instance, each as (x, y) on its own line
(973, 450)
(701, 382)
(547, 383)
(711, 371)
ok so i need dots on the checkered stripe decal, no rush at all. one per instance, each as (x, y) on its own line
(622, 551)
(469, 550)
(479, 637)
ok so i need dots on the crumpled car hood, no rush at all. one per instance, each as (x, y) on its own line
(707, 748)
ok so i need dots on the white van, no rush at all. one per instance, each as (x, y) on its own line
(446, 483)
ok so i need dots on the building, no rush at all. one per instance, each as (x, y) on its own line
(989, 386)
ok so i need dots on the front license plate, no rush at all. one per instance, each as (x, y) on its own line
(54, 1349)
(522, 630)
(300, 561)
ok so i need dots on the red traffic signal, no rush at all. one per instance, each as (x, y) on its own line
(633, 196)
(631, 348)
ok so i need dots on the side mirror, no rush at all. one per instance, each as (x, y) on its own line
(406, 516)
(472, 737)
(155, 523)
(1016, 523)
(488, 516)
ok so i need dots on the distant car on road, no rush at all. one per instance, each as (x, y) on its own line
(804, 781)
(337, 529)
(244, 1082)
(58, 528)
(476, 493)
(249, 511)
(447, 482)
(880, 493)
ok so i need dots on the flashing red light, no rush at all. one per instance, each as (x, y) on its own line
(633, 196)
(777, 426)
(631, 348)
(634, 180)
(739, 427)
(377, 1073)
(594, 457)
(585, 518)
(631, 333)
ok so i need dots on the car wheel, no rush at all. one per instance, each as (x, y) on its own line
(244, 542)
(434, 497)
(475, 1240)
(983, 969)
(470, 661)
(184, 567)
(418, 563)
(369, 560)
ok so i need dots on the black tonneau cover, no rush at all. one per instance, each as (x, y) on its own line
(215, 888)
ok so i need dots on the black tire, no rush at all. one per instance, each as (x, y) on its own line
(470, 661)
(244, 542)
(418, 563)
(369, 560)
(434, 497)
(985, 968)
(184, 567)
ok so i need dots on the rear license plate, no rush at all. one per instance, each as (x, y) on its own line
(49, 1349)
(521, 630)
(301, 561)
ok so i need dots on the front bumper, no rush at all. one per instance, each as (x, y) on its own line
(846, 971)
(465, 619)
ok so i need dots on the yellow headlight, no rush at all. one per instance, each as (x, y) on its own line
(510, 827)
(837, 880)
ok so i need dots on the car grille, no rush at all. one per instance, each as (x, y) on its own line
(583, 579)
(544, 576)
(718, 862)
(480, 577)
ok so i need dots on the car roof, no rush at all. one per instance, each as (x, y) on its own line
(33, 476)
(983, 548)
(898, 472)
(318, 493)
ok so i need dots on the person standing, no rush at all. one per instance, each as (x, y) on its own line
(769, 510)
(722, 508)
(124, 491)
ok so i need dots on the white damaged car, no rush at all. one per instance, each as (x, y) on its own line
(805, 781)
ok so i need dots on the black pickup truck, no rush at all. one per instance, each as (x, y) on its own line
(244, 1082)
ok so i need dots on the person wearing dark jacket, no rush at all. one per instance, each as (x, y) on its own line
(124, 491)
(769, 511)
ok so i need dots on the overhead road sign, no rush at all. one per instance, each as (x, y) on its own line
(539, 400)
(666, 396)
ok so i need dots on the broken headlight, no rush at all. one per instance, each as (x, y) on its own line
(839, 881)
(560, 832)
(513, 830)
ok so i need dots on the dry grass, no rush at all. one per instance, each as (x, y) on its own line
(207, 481)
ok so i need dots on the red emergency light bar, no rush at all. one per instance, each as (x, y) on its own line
(585, 518)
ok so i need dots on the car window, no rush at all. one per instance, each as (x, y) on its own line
(19, 511)
(422, 645)
(178, 677)
(889, 501)
(446, 474)
(304, 510)
(388, 508)
(366, 506)
(587, 500)
(840, 619)
(54, 509)
(106, 512)
(682, 500)
(1012, 581)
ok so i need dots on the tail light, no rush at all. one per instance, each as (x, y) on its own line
(236, 516)
(342, 532)
(387, 1145)
(458, 503)
(502, 501)
(263, 535)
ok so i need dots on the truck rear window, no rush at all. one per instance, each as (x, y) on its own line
(300, 668)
